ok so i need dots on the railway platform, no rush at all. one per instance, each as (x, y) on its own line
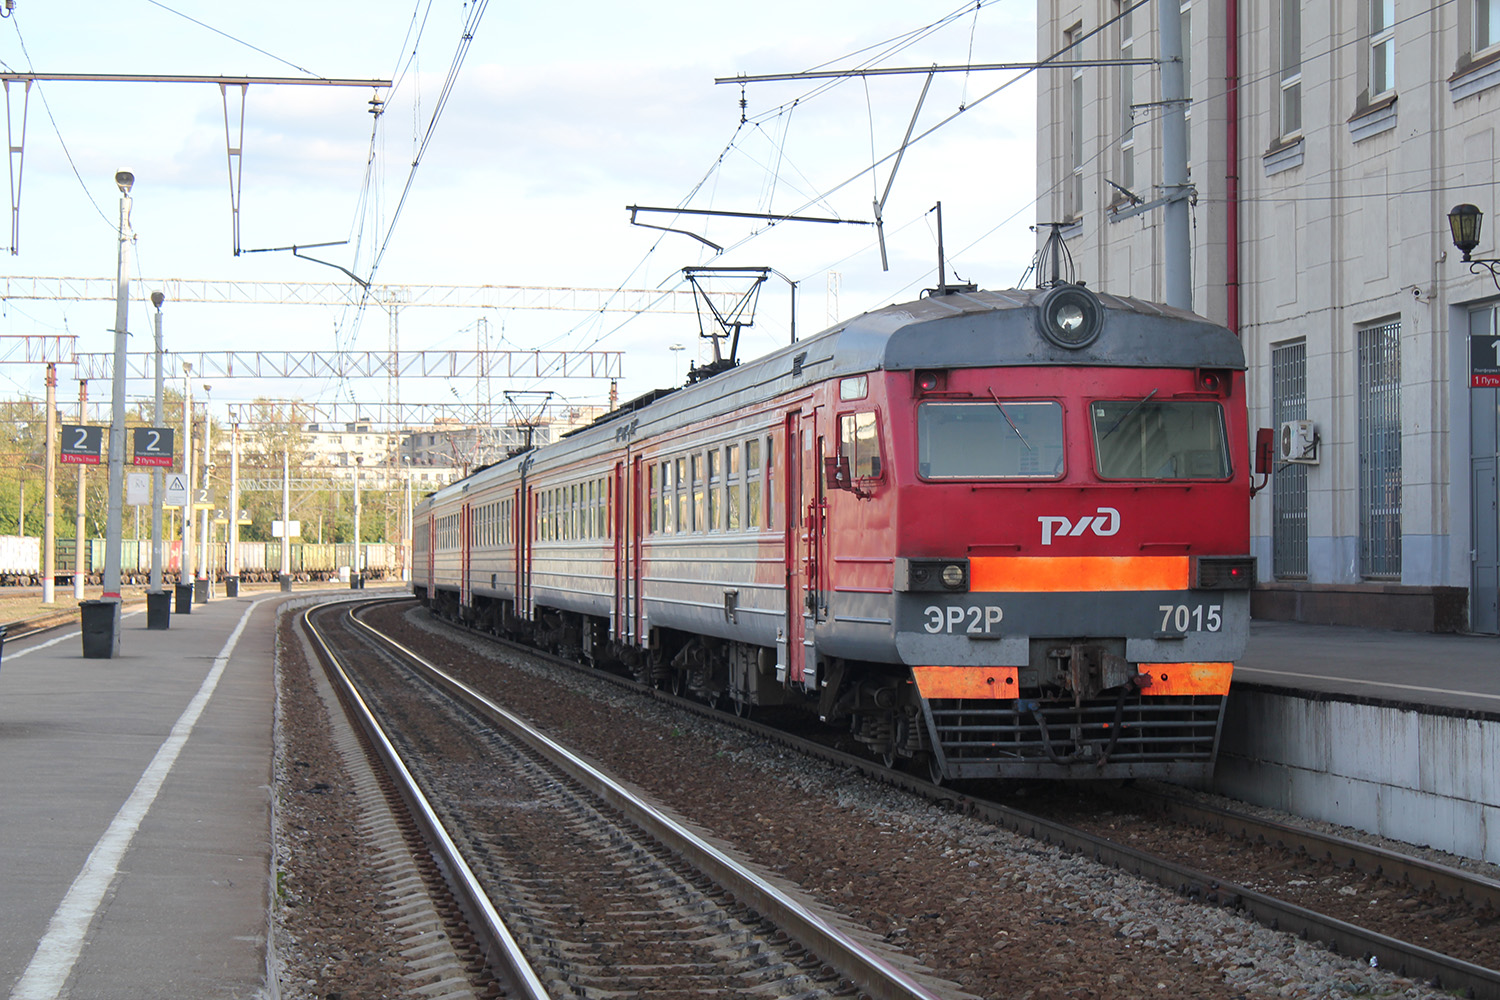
(1394, 733)
(135, 798)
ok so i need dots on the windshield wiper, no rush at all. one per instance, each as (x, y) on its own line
(999, 406)
(1128, 413)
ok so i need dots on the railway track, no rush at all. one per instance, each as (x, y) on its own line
(1395, 911)
(603, 892)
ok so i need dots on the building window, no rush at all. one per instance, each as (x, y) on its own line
(1291, 68)
(1486, 23)
(1126, 117)
(1382, 47)
(1380, 452)
(1289, 482)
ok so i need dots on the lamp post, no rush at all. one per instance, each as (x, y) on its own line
(204, 578)
(185, 569)
(676, 350)
(157, 299)
(1464, 223)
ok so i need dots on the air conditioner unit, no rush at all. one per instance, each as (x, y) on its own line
(1298, 442)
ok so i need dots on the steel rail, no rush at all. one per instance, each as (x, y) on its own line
(1447, 881)
(1390, 953)
(507, 961)
(870, 970)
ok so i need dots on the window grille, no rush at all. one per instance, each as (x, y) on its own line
(1289, 481)
(1380, 452)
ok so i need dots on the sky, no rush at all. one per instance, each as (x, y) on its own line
(530, 138)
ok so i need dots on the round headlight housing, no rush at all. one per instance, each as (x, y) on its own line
(1071, 317)
(953, 576)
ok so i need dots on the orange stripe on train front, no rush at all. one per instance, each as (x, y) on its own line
(967, 682)
(1186, 678)
(1076, 574)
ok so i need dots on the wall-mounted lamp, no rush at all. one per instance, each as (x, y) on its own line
(1464, 223)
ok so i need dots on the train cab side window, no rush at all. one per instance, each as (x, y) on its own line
(859, 442)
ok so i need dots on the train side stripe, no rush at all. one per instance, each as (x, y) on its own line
(1074, 574)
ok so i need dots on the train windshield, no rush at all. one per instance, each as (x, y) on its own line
(1159, 439)
(995, 440)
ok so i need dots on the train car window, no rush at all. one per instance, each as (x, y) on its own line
(732, 487)
(1159, 439)
(653, 492)
(715, 478)
(859, 442)
(994, 440)
(681, 496)
(752, 483)
(854, 388)
(695, 470)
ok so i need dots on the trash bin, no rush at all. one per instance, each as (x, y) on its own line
(158, 609)
(231, 586)
(286, 584)
(184, 598)
(101, 629)
(200, 590)
(356, 581)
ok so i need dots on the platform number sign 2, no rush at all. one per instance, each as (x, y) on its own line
(152, 446)
(81, 444)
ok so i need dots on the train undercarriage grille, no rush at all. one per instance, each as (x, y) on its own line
(1157, 737)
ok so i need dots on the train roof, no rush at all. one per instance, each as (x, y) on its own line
(965, 329)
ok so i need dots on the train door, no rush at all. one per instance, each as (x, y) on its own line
(517, 545)
(639, 488)
(804, 520)
(432, 534)
(523, 552)
(465, 556)
(619, 612)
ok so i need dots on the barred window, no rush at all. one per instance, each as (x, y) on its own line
(1380, 452)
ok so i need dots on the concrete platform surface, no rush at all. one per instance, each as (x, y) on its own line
(135, 833)
(1420, 670)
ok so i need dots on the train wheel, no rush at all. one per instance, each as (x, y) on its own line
(677, 683)
(934, 768)
(741, 708)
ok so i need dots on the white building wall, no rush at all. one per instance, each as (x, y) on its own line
(1340, 229)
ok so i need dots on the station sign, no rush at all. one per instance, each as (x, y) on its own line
(1484, 362)
(152, 446)
(203, 499)
(175, 493)
(82, 444)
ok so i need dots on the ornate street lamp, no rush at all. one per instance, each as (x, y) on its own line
(1464, 223)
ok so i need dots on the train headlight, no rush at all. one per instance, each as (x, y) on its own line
(1071, 316)
(932, 575)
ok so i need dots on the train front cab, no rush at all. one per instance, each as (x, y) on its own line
(1072, 584)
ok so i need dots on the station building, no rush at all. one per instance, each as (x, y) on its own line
(1328, 141)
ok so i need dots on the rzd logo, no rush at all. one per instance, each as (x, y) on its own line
(1105, 522)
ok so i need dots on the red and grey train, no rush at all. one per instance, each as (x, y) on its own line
(992, 534)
